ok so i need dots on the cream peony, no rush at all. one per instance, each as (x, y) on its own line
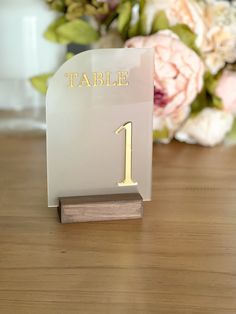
(178, 78)
(191, 13)
(214, 23)
(226, 90)
(208, 128)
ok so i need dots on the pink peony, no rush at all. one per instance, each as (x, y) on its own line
(178, 78)
(226, 90)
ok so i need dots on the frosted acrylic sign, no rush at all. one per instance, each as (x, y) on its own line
(99, 124)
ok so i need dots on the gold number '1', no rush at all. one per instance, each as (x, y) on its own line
(128, 154)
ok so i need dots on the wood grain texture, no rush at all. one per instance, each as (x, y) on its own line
(179, 259)
(100, 207)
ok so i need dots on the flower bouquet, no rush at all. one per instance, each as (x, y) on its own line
(195, 53)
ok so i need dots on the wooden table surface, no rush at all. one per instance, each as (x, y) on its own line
(180, 259)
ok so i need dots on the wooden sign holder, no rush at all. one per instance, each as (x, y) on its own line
(100, 207)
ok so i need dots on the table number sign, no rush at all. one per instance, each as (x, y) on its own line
(99, 125)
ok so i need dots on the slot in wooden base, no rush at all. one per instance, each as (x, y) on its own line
(100, 207)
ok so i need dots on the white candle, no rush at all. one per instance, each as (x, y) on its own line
(24, 52)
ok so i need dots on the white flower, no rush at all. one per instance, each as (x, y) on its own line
(208, 128)
(214, 23)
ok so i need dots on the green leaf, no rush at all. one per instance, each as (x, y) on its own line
(207, 97)
(111, 17)
(231, 136)
(217, 102)
(52, 31)
(186, 35)
(142, 4)
(134, 30)
(143, 25)
(160, 134)
(57, 5)
(79, 32)
(142, 18)
(40, 82)
(200, 102)
(160, 22)
(210, 83)
(124, 18)
(69, 55)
